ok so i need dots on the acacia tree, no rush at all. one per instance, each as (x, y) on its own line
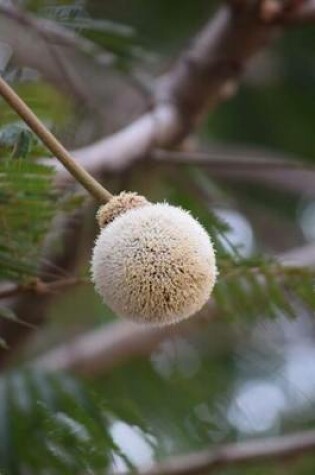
(51, 421)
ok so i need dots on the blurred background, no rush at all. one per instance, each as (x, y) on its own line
(242, 370)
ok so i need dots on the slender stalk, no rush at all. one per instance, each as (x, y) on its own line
(79, 173)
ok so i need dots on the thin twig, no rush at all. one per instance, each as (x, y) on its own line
(103, 349)
(40, 287)
(246, 164)
(229, 158)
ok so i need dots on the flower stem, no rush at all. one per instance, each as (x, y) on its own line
(77, 171)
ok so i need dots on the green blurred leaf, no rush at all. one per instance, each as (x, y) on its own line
(56, 414)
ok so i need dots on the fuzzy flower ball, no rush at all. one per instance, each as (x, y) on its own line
(153, 263)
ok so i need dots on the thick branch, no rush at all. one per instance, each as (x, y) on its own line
(231, 163)
(254, 451)
(303, 15)
(202, 77)
(103, 349)
(299, 181)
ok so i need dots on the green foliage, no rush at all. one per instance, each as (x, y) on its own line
(55, 422)
(263, 288)
(27, 205)
(51, 422)
(28, 202)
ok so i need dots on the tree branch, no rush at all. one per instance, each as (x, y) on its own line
(230, 157)
(303, 15)
(254, 451)
(246, 164)
(103, 349)
(300, 257)
(203, 76)
(39, 287)
(231, 163)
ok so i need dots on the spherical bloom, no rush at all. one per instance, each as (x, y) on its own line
(154, 264)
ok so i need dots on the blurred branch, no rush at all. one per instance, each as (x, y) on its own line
(300, 257)
(227, 158)
(234, 163)
(204, 76)
(246, 164)
(252, 451)
(296, 180)
(39, 287)
(112, 345)
(103, 349)
(302, 15)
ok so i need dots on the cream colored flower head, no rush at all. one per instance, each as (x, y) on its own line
(154, 264)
